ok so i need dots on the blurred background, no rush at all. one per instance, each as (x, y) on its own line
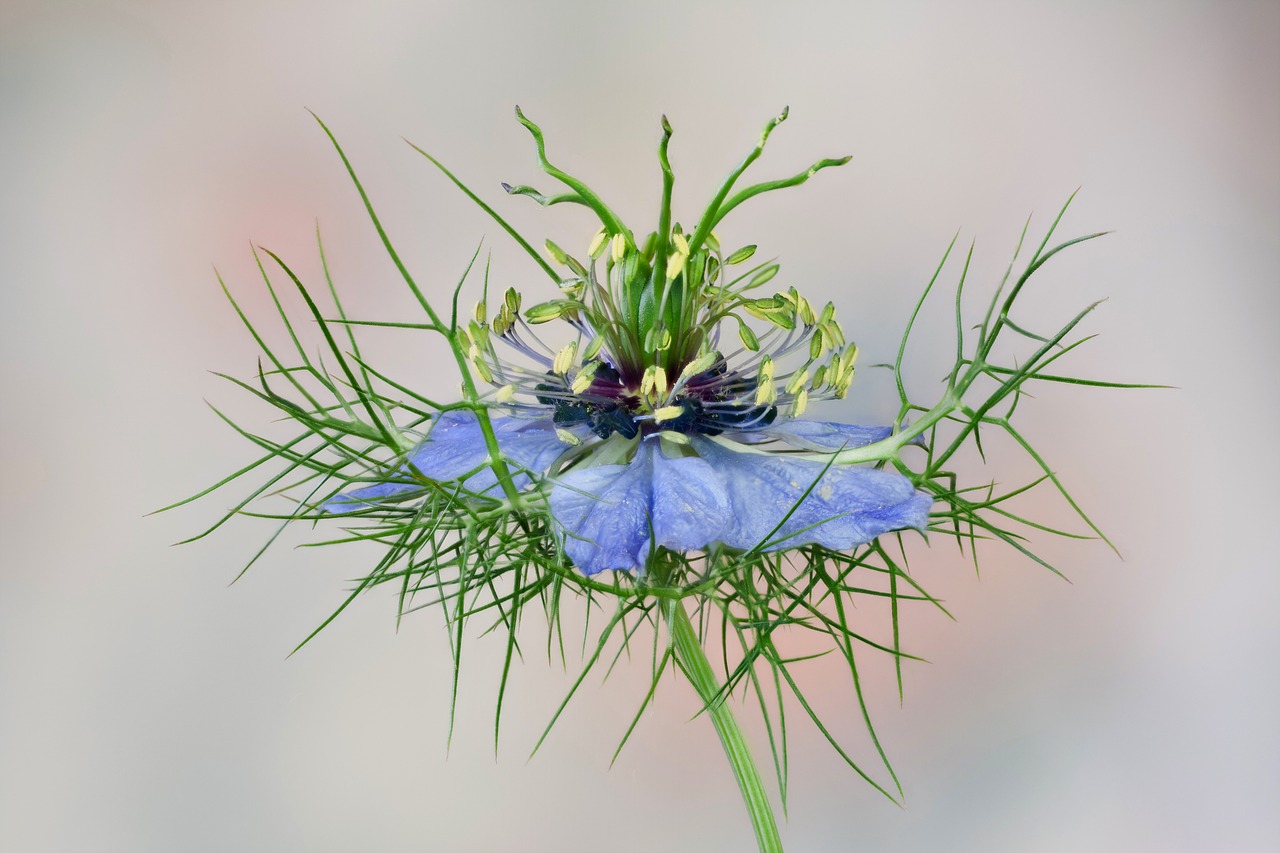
(146, 705)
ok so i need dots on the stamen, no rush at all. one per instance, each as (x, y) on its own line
(797, 381)
(660, 380)
(564, 358)
(800, 404)
(597, 244)
(585, 376)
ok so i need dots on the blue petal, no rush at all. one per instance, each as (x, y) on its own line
(456, 446)
(824, 435)
(611, 515)
(691, 505)
(604, 513)
(847, 507)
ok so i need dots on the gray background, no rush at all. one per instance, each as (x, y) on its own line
(145, 706)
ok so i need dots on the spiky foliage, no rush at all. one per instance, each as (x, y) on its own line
(491, 556)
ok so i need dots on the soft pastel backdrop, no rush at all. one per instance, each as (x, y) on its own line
(146, 706)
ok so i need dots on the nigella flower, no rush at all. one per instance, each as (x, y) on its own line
(648, 439)
(675, 439)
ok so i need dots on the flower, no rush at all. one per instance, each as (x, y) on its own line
(647, 430)
(629, 459)
(679, 496)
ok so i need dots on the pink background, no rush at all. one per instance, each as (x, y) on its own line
(144, 706)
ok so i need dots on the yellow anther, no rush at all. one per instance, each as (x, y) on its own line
(834, 333)
(506, 393)
(557, 254)
(618, 247)
(660, 381)
(593, 348)
(766, 394)
(800, 404)
(819, 377)
(675, 265)
(847, 358)
(564, 359)
(699, 364)
(473, 353)
(545, 312)
(766, 370)
(682, 245)
(585, 376)
(805, 311)
(674, 437)
(817, 344)
(512, 300)
(480, 312)
(568, 437)
(798, 381)
(597, 243)
(667, 413)
(483, 369)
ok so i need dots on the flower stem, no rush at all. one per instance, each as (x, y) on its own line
(693, 661)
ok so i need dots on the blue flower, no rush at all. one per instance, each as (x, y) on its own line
(682, 496)
(647, 430)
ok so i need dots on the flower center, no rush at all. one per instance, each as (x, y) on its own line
(705, 403)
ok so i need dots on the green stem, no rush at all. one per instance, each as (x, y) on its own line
(693, 661)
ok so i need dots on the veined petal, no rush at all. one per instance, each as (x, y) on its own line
(455, 446)
(604, 513)
(847, 507)
(611, 515)
(691, 506)
(825, 435)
